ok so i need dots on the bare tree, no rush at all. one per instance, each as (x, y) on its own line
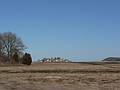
(0, 49)
(10, 43)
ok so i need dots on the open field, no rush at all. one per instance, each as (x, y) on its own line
(60, 76)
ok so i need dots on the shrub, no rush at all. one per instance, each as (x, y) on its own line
(27, 59)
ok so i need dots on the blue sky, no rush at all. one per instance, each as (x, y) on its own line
(80, 30)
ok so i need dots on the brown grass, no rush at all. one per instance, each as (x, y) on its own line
(60, 76)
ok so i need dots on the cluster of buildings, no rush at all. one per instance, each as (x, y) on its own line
(55, 59)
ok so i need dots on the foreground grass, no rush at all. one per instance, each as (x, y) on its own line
(60, 76)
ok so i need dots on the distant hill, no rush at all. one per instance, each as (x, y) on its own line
(112, 59)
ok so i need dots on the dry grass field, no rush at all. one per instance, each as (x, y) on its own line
(60, 76)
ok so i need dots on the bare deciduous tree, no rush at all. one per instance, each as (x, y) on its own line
(10, 43)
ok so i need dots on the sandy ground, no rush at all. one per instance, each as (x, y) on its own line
(60, 77)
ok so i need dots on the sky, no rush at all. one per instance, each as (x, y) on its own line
(79, 30)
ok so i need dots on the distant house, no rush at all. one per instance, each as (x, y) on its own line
(112, 59)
